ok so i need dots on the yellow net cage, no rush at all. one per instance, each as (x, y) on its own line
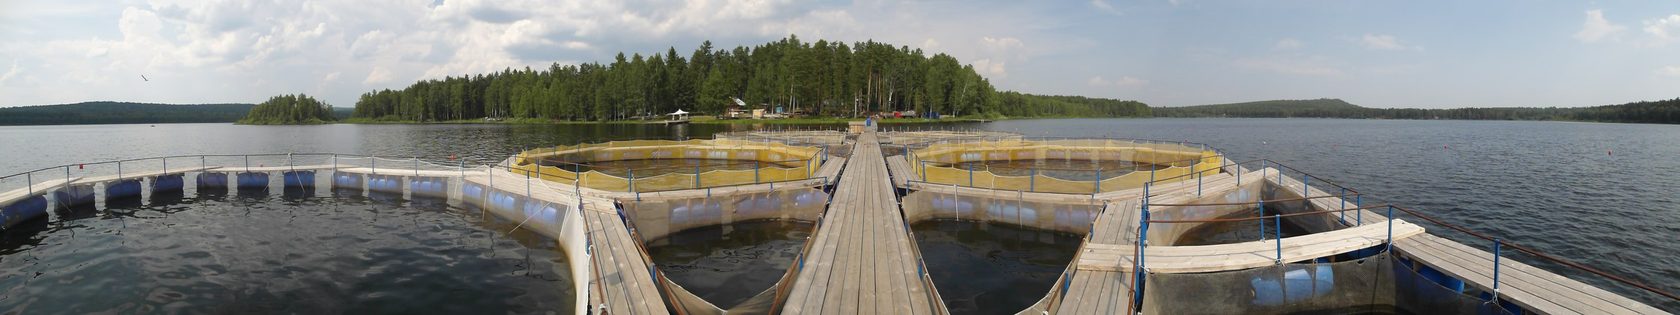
(939, 163)
(774, 162)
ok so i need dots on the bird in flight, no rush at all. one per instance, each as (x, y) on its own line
(143, 77)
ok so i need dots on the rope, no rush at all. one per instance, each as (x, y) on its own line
(1264, 217)
(1237, 203)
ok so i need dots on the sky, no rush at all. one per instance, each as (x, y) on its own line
(1426, 54)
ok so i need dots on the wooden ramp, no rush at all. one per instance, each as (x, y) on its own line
(861, 260)
(143, 174)
(1102, 288)
(831, 169)
(899, 166)
(622, 280)
(1534, 288)
(1245, 255)
(7, 198)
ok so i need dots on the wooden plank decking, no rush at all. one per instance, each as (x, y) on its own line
(1534, 288)
(862, 260)
(622, 278)
(7, 198)
(1099, 290)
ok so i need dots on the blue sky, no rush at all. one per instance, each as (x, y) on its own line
(1429, 54)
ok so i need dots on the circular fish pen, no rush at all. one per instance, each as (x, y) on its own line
(664, 165)
(1073, 166)
(265, 234)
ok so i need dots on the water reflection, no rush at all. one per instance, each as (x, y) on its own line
(728, 264)
(983, 268)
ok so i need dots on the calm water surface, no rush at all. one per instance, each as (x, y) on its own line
(982, 268)
(726, 265)
(297, 252)
(1600, 194)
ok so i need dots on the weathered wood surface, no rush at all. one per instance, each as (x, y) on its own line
(861, 260)
(621, 280)
(143, 174)
(7, 198)
(1534, 288)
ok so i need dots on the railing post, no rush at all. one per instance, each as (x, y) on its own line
(1343, 211)
(1198, 181)
(1096, 183)
(697, 175)
(29, 180)
(1390, 227)
(1032, 179)
(1496, 246)
(632, 181)
(970, 175)
(1360, 215)
(1261, 207)
(1305, 188)
(755, 171)
(247, 164)
(373, 165)
(119, 170)
(1279, 231)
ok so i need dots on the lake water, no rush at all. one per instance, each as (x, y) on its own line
(1600, 194)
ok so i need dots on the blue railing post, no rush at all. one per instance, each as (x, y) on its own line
(697, 173)
(970, 175)
(1390, 227)
(1032, 179)
(1096, 183)
(924, 170)
(632, 185)
(755, 171)
(1496, 247)
(1198, 181)
(1279, 241)
(1261, 208)
(1343, 198)
(1360, 215)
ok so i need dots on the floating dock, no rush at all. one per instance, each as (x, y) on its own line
(862, 257)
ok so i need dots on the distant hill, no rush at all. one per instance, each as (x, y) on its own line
(1324, 107)
(121, 113)
(1659, 112)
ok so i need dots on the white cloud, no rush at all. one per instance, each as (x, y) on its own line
(1384, 42)
(13, 72)
(993, 69)
(1123, 81)
(1104, 6)
(1663, 30)
(377, 76)
(1597, 28)
(1287, 44)
(331, 77)
(1669, 71)
(1305, 66)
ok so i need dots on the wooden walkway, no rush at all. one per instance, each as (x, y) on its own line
(622, 280)
(1099, 288)
(1534, 288)
(862, 259)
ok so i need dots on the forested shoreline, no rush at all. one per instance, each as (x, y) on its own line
(1661, 112)
(104, 112)
(825, 79)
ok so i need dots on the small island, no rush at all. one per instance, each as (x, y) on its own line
(295, 109)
